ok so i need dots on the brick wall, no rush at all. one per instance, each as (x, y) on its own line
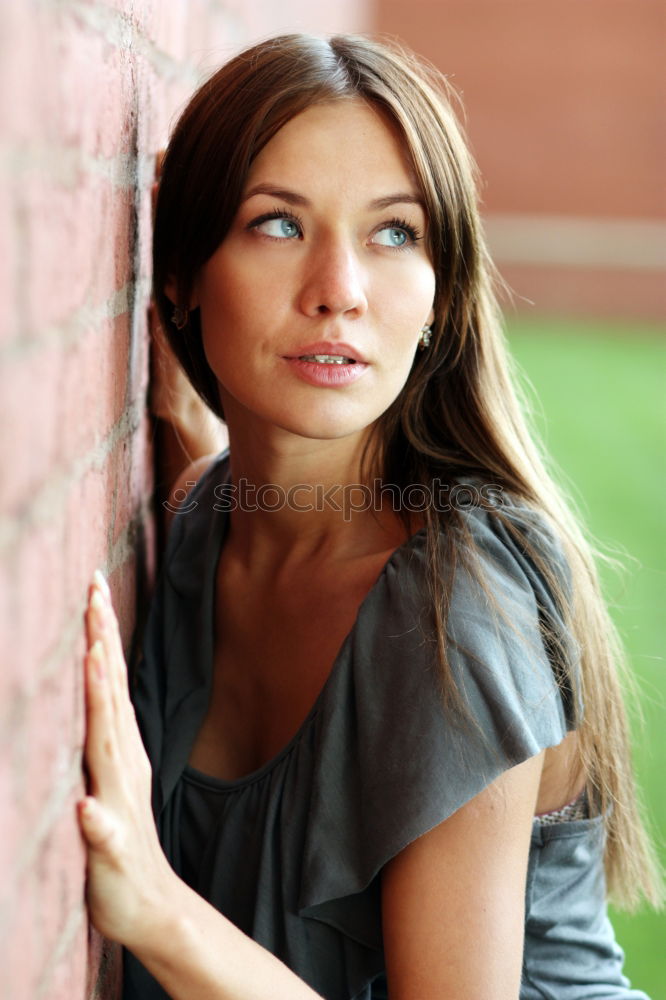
(87, 92)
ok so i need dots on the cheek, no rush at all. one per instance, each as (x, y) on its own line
(227, 305)
(241, 299)
(405, 304)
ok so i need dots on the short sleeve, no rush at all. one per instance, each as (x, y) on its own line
(392, 761)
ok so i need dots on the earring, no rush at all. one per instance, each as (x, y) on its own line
(424, 339)
(179, 318)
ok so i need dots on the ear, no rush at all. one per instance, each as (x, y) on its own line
(171, 292)
(431, 318)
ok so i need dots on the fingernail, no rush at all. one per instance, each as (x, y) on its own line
(86, 806)
(100, 581)
(98, 604)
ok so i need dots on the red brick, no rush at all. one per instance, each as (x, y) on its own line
(168, 34)
(70, 220)
(8, 247)
(132, 482)
(10, 601)
(41, 613)
(22, 957)
(59, 870)
(48, 753)
(87, 519)
(138, 365)
(78, 241)
(41, 902)
(59, 403)
(77, 669)
(167, 98)
(94, 387)
(11, 824)
(123, 591)
(124, 506)
(123, 7)
(26, 62)
(67, 978)
(28, 405)
(144, 250)
(104, 123)
(61, 46)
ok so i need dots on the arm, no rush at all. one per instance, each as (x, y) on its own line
(133, 894)
(453, 900)
(188, 478)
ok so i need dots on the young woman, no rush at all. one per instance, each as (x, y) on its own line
(378, 696)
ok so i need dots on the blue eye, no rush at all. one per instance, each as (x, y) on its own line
(398, 234)
(281, 228)
(278, 226)
(392, 237)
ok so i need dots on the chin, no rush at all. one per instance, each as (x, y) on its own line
(315, 420)
(324, 429)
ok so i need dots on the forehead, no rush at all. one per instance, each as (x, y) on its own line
(347, 143)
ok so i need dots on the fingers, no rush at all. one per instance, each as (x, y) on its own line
(102, 624)
(99, 631)
(107, 686)
(98, 824)
(101, 748)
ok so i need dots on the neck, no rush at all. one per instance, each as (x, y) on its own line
(300, 499)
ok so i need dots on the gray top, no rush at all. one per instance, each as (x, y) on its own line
(292, 852)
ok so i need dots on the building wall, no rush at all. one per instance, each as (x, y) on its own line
(87, 91)
(562, 128)
(567, 118)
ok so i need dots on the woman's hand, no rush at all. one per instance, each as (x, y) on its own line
(172, 397)
(128, 874)
(134, 896)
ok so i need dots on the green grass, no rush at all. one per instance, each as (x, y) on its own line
(601, 408)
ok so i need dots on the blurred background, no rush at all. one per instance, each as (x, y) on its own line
(564, 104)
(565, 108)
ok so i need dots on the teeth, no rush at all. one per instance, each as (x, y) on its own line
(327, 359)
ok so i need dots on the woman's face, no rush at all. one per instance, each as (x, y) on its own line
(312, 306)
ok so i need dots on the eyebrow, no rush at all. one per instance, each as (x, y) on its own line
(277, 192)
(293, 198)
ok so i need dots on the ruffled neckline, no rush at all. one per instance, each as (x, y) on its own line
(213, 555)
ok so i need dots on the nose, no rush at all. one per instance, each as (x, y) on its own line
(334, 281)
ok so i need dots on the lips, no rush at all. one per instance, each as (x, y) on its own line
(316, 353)
(327, 364)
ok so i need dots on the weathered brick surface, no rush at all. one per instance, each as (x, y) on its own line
(88, 91)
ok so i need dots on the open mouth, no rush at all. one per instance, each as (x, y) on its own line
(327, 359)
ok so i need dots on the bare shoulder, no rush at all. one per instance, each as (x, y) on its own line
(186, 482)
(461, 883)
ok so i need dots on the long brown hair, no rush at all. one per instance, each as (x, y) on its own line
(458, 413)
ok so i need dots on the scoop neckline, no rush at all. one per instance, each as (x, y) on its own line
(193, 774)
